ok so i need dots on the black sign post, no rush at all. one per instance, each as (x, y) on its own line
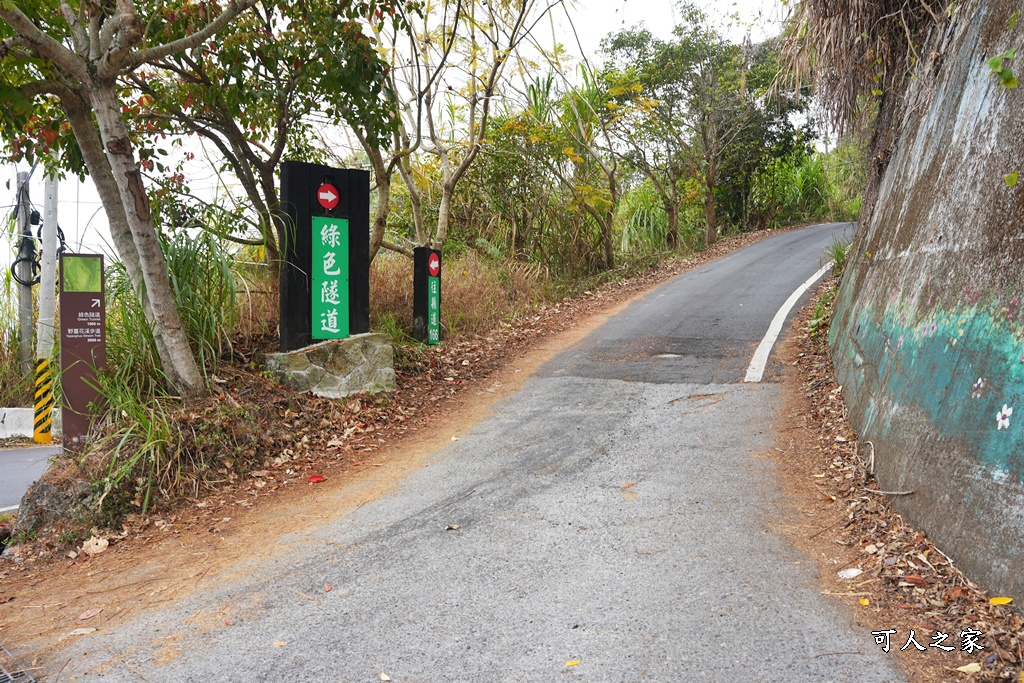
(426, 295)
(326, 248)
(83, 345)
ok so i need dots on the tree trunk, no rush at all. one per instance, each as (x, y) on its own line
(606, 238)
(520, 226)
(709, 205)
(380, 215)
(672, 238)
(272, 222)
(79, 114)
(414, 201)
(444, 210)
(179, 363)
(709, 215)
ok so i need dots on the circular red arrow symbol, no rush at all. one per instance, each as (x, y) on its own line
(434, 265)
(328, 196)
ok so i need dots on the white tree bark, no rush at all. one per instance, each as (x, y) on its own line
(104, 46)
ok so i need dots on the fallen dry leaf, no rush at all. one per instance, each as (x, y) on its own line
(89, 614)
(972, 668)
(865, 601)
(1000, 601)
(95, 545)
(316, 479)
(384, 676)
(280, 643)
(80, 632)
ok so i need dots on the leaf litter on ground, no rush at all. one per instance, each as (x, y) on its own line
(912, 583)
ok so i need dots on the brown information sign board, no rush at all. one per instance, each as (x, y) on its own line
(83, 340)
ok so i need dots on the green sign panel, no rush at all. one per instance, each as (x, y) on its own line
(83, 274)
(330, 278)
(433, 310)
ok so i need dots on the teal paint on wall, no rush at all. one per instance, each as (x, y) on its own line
(962, 367)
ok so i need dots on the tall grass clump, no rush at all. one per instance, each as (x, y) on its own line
(821, 319)
(204, 289)
(644, 221)
(148, 442)
(788, 190)
(837, 253)
(846, 175)
(16, 388)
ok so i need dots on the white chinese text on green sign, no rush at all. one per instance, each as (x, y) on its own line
(433, 310)
(329, 286)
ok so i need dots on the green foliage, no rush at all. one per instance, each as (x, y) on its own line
(137, 445)
(998, 67)
(71, 537)
(22, 537)
(147, 448)
(131, 350)
(837, 253)
(789, 189)
(643, 219)
(204, 289)
(201, 276)
(822, 316)
(16, 388)
(846, 176)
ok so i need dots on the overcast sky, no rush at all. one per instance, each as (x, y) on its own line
(80, 213)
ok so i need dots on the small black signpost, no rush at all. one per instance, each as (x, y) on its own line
(325, 277)
(83, 345)
(426, 295)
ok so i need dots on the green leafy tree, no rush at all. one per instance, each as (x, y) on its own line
(683, 106)
(275, 76)
(73, 55)
(446, 71)
(769, 140)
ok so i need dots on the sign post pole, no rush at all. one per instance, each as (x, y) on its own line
(426, 295)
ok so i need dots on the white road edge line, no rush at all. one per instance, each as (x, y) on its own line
(757, 364)
(10, 509)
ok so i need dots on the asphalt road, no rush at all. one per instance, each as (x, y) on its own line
(19, 468)
(611, 513)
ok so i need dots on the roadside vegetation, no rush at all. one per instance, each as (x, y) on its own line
(539, 180)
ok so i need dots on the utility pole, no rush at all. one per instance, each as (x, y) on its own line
(26, 253)
(46, 329)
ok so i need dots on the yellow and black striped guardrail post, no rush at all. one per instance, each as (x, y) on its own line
(44, 401)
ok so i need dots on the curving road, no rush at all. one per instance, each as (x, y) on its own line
(611, 515)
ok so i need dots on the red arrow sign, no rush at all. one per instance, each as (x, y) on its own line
(328, 196)
(434, 265)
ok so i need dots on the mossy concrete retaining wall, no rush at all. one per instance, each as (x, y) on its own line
(928, 337)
